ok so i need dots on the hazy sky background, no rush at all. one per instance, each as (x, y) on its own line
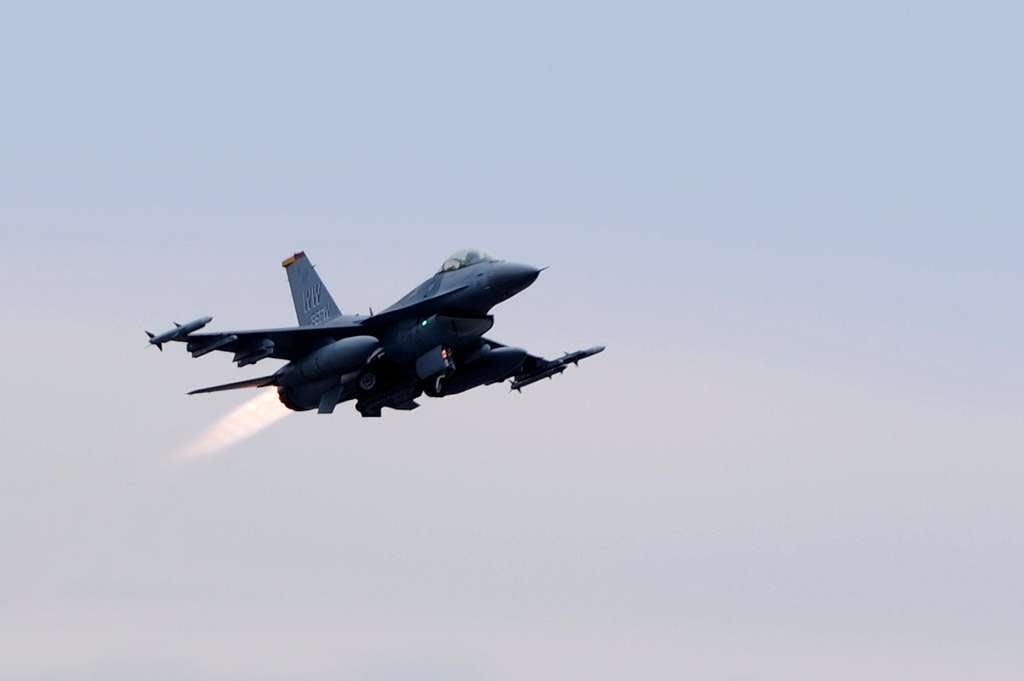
(795, 225)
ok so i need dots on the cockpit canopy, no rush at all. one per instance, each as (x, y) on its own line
(465, 258)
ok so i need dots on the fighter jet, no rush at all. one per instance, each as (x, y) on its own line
(429, 342)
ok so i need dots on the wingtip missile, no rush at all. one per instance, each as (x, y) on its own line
(179, 331)
(553, 368)
(576, 357)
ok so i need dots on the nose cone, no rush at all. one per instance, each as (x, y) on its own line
(511, 278)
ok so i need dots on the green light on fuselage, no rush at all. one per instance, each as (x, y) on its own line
(423, 323)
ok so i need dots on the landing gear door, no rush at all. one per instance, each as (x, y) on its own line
(437, 360)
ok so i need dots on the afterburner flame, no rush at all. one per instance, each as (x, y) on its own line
(241, 423)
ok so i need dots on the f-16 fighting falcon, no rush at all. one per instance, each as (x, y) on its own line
(430, 341)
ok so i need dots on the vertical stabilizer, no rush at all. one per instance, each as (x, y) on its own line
(313, 302)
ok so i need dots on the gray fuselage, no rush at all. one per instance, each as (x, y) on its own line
(416, 351)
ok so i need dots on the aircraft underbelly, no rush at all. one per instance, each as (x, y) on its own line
(421, 336)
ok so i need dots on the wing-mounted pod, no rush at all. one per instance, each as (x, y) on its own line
(204, 347)
(334, 359)
(253, 353)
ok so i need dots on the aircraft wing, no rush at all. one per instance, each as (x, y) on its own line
(535, 368)
(282, 343)
(294, 342)
(421, 308)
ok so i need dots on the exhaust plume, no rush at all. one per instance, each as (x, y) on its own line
(239, 424)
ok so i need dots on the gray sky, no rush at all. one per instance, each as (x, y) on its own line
(796, 225)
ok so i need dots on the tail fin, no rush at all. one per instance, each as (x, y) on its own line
(313, 303)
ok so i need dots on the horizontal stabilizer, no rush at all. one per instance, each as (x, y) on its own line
(260, 382)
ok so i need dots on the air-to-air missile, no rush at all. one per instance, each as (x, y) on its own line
(179, 331)
(555, 366)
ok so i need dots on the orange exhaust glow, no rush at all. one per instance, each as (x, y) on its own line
(241, 423)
